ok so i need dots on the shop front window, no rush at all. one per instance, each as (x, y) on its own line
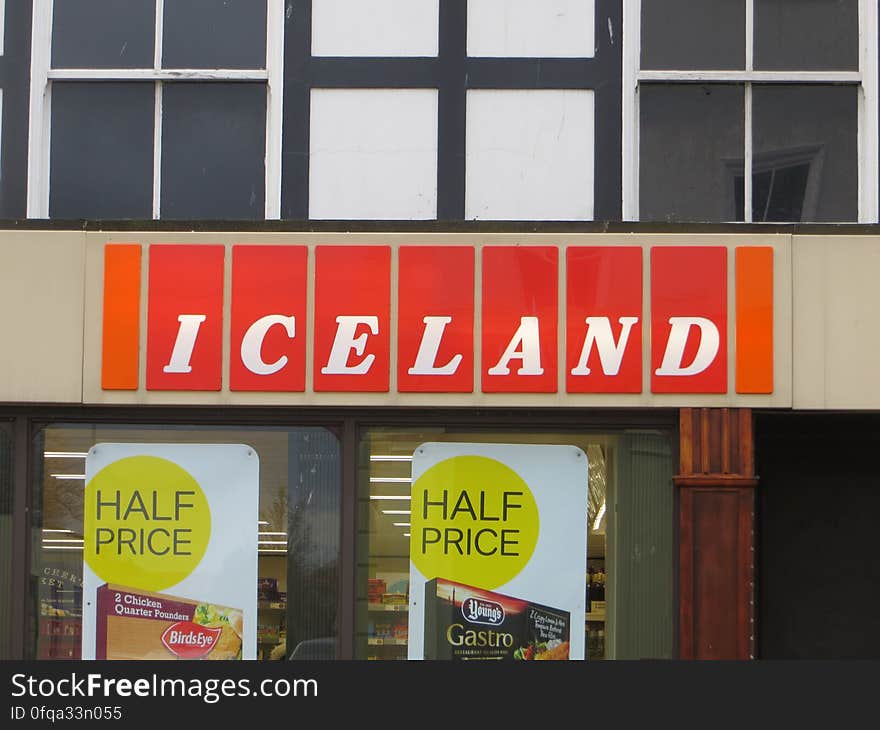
(628, 585)
(297, 535)
(5, 540)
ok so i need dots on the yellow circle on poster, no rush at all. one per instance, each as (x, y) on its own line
(147, 523)
(474, 520)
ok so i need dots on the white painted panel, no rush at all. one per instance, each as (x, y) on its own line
(529, 155)
(375, 27)
(531, 28)
(373, 154)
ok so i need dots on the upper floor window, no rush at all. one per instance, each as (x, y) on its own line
(148, 109)
(750, 110)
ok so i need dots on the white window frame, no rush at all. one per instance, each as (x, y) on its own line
(865, 79)
(42, 76)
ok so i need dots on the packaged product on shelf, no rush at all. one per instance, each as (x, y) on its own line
(267, 589)
(395, 599)
(375, 589)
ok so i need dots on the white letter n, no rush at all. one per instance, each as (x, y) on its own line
(610, 352)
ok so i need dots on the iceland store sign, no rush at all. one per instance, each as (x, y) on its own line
(441, 319)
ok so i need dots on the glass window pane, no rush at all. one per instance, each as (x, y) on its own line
(214, 34)
(806, 35)
(630, 554)
(213, 150)
(298, 533)
(805, 153)
(101, 160)
(5, 541)
(682, 34)
(103, 33)
(691, 151)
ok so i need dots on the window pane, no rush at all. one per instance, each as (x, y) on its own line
(5, 541)
(213, 149)
(691, 150)
(630, 553)
(523, 28)
(682, 34)
(214, 34)
(103, 33)
(101, 163)
(529, 154)
(806, 35)
(806, 148)
(298, 533)
(378, 28)
(373, 154)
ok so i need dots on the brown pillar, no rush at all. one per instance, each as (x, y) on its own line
(716, 491)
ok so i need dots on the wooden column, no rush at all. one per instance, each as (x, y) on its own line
(716, 490)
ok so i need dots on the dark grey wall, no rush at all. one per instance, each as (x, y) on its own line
(819, 569)
(15, 82)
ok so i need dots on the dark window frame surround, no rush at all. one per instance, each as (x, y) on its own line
(24, 422)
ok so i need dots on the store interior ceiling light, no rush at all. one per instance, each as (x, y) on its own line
(390, 457)
(55, 529)
(265, 551)
(273, 534)
(75, 541)
(68, 476)
(262, 522)
(65, 454)
(271, 542)
(599, 515)
(391, 496)
(406, 534)
(390, 480)
(396, 512)
(62, 547)
(401, 524)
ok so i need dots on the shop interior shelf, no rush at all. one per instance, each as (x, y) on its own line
(375, 641)
(388, 606)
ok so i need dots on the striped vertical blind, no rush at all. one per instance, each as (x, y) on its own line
(643, 548)
(314, 493)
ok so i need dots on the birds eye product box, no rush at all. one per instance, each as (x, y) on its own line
(135, 624)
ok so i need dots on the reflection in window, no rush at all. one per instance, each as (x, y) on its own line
(814, 124)
(297, 533)
(687, 133)
(629, 542)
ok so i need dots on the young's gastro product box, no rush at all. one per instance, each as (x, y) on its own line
(136, 624)
(463, 622)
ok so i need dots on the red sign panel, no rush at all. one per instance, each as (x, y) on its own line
(184, 317)
(435, 321)
(689, 319)
(268, 328)
(352, 318)
(603, 346)
(519, 319)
